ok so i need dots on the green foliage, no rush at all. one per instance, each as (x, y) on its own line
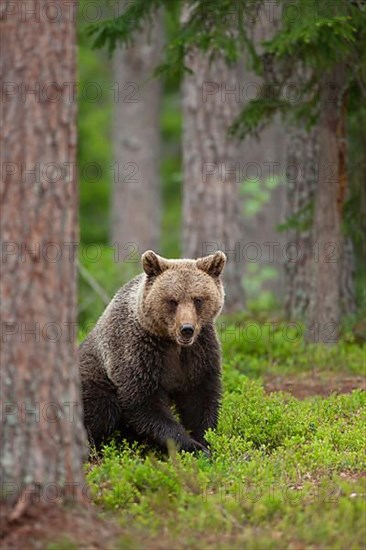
(64, 543)
(276, 465)
(258, 345)
(256, 277)
(314, 37)
(105, 265)
(355, 206)
(171, 125)
(319, 40)
(94, 140)
(256, 115)
(209, 26)
(120, 28)
(300, 221)
(257, 193)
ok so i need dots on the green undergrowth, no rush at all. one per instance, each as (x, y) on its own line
(258, 346)
(283, 472)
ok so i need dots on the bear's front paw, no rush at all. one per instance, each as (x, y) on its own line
(200, 447)
(204, 449)
(200, 439)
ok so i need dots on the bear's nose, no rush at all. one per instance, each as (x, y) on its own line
(187, 330)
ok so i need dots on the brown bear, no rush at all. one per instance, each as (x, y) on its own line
(154, 348)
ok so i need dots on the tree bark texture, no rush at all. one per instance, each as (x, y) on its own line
(302, 165)
(324, 312)
(136, 209)
(211, 182)
(302, 160)
(42, 440)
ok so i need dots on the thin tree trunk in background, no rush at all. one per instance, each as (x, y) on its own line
(136, 188)
(325, 304)
(43, 437)
(302, 159)
(211, 199)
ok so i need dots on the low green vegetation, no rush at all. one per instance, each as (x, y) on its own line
(257, 345)
(64, 543)
(284, 473)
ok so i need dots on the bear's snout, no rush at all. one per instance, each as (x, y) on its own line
(187, 331)
(186, 334)
(186, 324)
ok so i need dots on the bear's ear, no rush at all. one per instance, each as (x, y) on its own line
(153, 264)
(213, 264)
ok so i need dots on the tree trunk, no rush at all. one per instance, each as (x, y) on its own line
(211, 205)
(325, 300)
(136, 188)
(302, 156)
(43, 437)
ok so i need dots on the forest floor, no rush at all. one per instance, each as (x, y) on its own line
(287, 470)
(317, 383)
(59, 527)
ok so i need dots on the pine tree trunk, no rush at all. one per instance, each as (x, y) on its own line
(43, 438)
(325, 300)
(136, 188)
(302, 160)
(302, 157)
(211, 200)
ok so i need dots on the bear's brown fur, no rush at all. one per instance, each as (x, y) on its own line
(155, 346)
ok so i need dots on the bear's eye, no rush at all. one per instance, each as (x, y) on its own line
(173, 303)
(198, 302)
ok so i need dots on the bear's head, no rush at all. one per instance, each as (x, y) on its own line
(179, 297)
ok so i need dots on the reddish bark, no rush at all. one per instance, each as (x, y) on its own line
(42, 433)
